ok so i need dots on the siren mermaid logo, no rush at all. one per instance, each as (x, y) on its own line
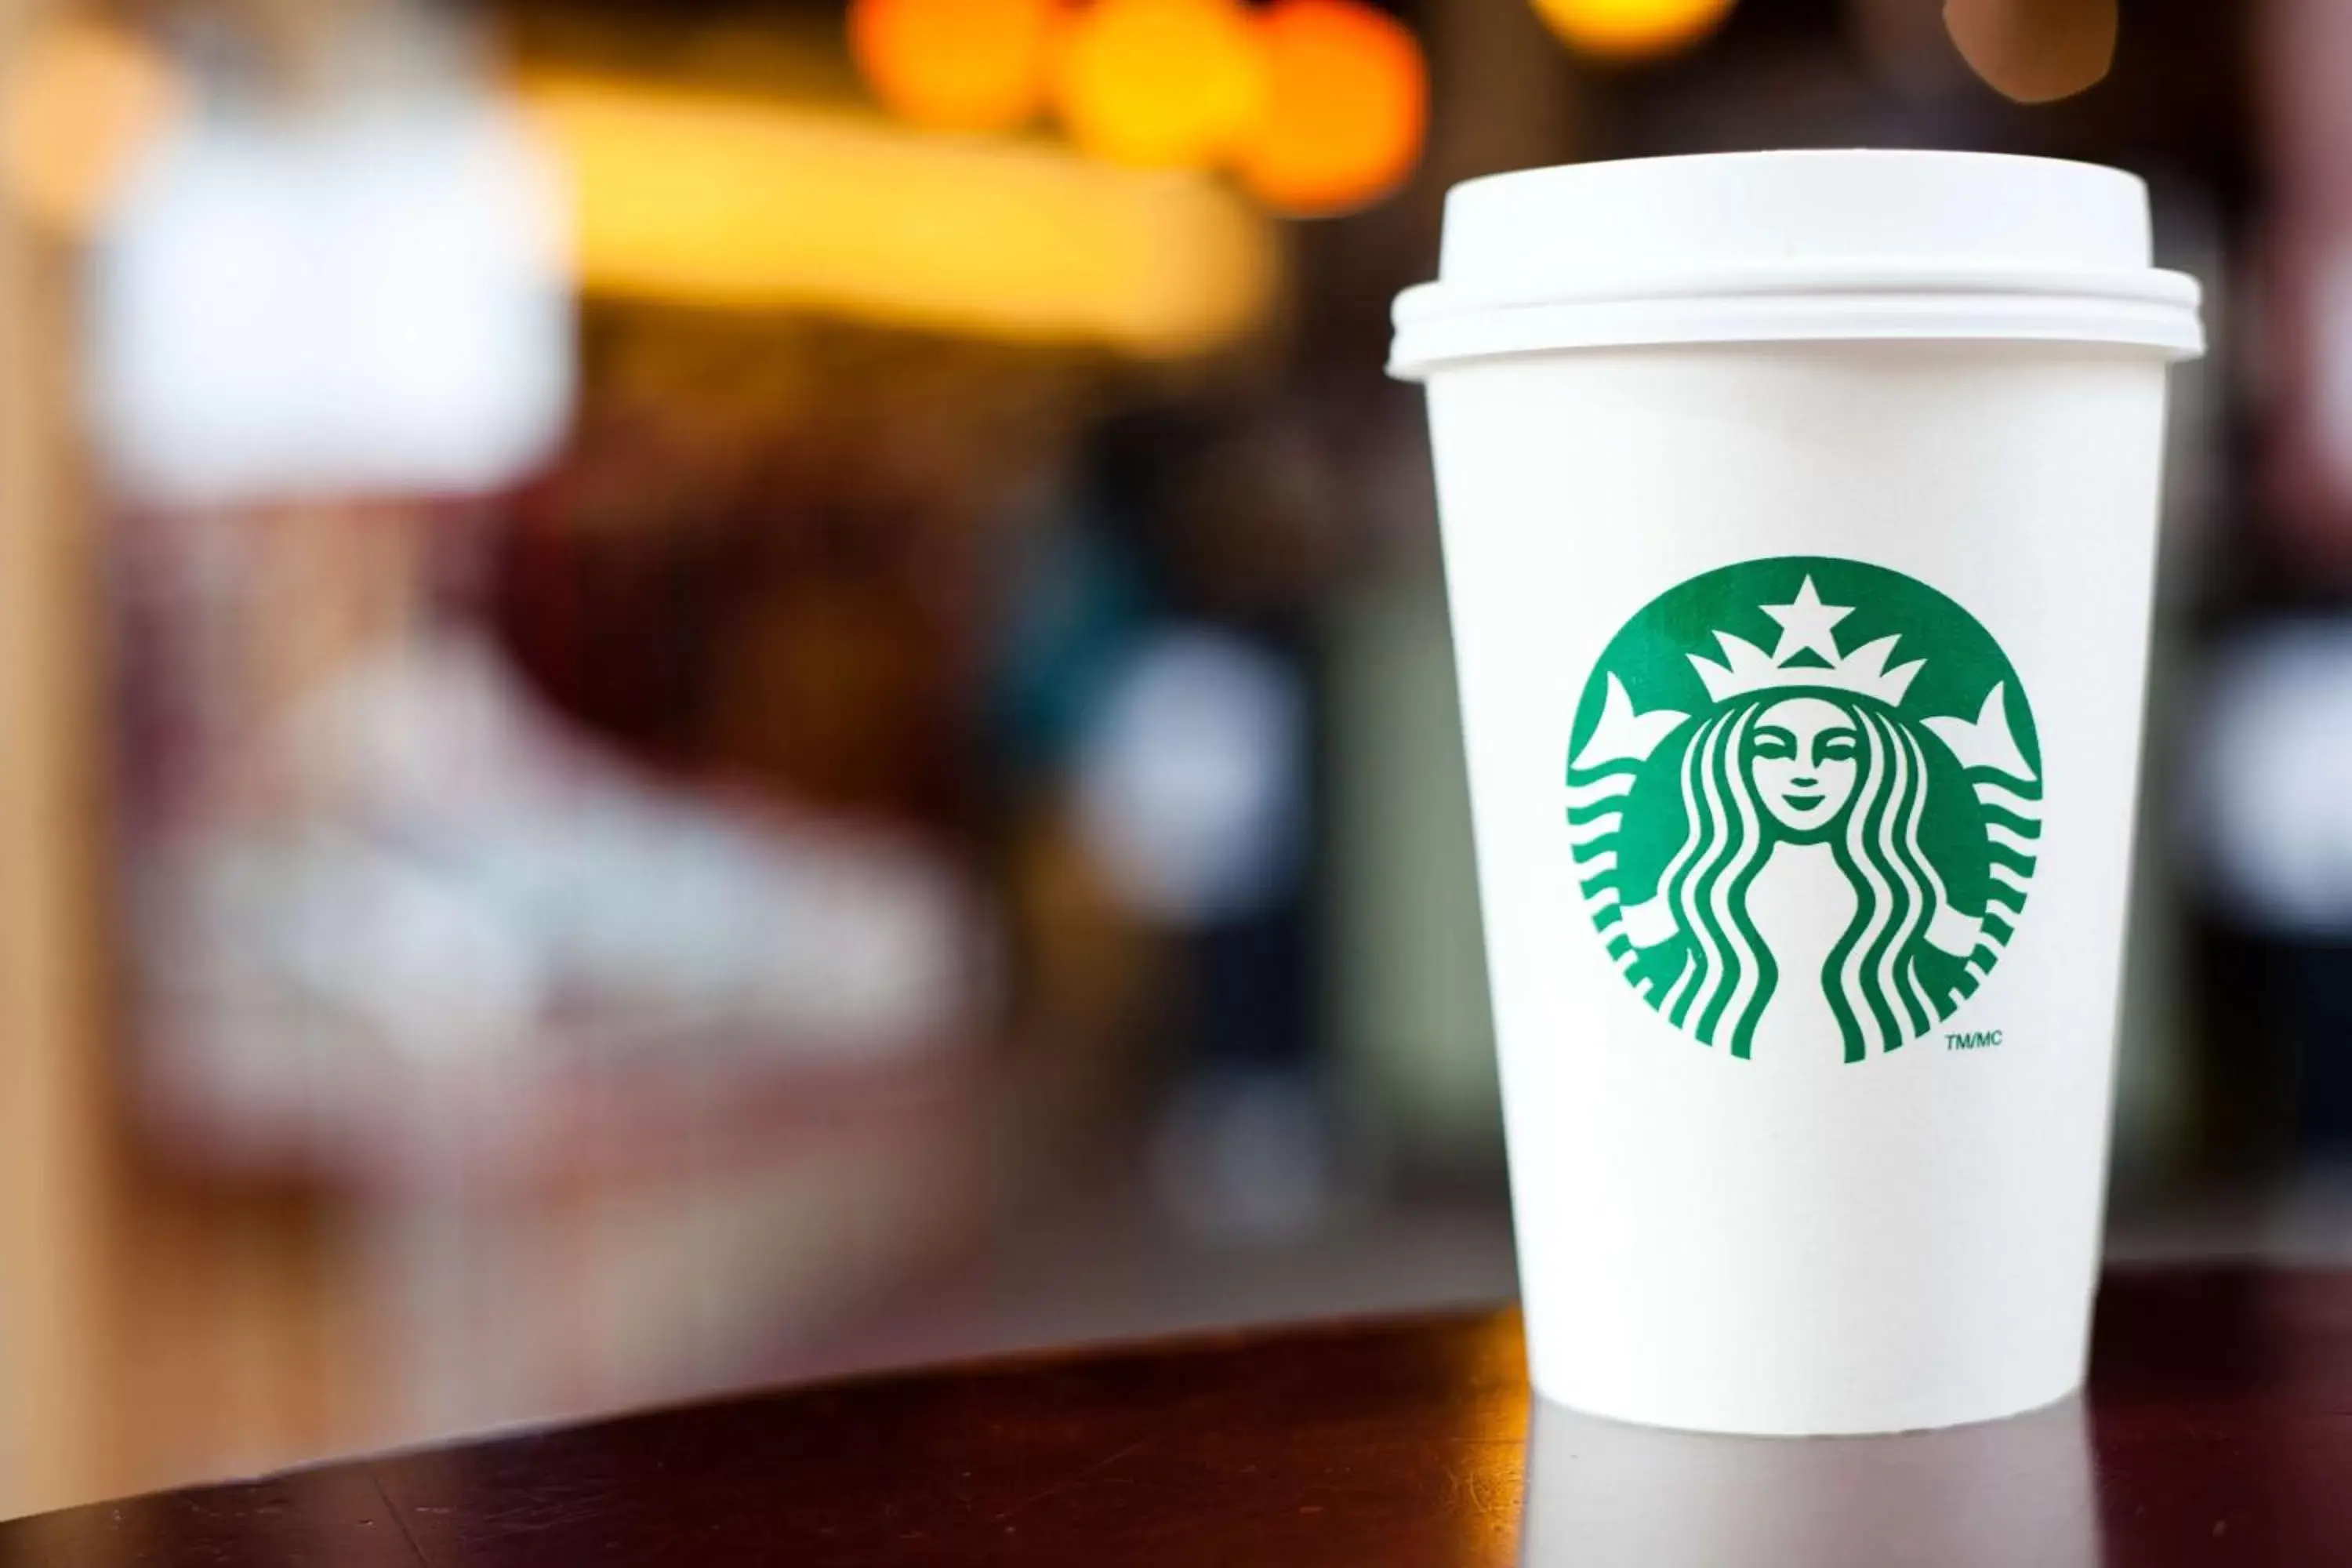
(1817, 848)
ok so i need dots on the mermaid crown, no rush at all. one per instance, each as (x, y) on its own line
(1806, 656)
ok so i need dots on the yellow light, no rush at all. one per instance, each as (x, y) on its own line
(1347, 108)
(955, 65)
(1173, 83)
(738, 202)
(79, 103)
(1633, 29)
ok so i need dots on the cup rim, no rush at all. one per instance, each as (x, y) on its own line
(1439, 326)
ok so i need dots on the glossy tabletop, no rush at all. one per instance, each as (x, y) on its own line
(2218, 1428)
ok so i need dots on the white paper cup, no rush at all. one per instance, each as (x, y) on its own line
(1799, 517)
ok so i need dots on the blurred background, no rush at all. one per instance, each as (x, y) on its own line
(695, 693)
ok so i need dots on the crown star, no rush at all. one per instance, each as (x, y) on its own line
(1807, 625)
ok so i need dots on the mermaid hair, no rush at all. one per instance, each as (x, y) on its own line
(1871, 978)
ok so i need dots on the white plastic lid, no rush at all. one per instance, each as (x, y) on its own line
(1782, 246)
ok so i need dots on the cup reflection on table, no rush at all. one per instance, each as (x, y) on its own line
(1603, 1494)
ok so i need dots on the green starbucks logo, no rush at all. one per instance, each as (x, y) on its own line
(1804, 796)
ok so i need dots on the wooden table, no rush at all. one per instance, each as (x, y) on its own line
(2218, 1429)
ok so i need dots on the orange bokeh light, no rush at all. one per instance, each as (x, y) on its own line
(79, 103)
(955, 65)
(1177, 83)
(1632, 29)
(1348, 106)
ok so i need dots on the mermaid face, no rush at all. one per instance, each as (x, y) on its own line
(1802, 757)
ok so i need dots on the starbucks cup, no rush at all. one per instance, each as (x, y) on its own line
(1800, 516)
